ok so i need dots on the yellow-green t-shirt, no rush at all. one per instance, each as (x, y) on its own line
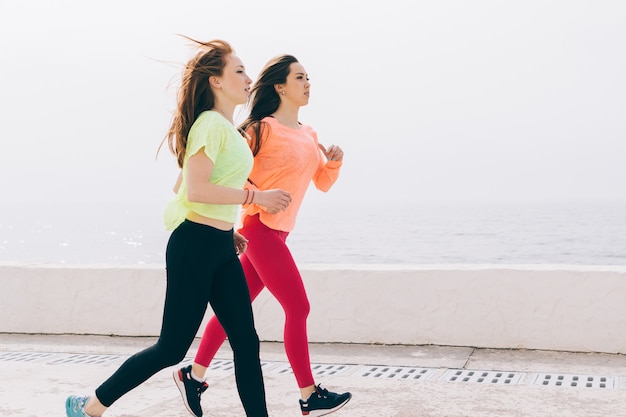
(232, 162)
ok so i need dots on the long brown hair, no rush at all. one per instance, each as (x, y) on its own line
(265, 99)
(194, 94)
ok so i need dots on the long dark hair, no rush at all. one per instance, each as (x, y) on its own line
(265, 99)
(194, 94)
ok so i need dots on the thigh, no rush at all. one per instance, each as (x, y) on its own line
(230, 299)
(184, 309)
(255, 285)
(272, 261)
(188, 286)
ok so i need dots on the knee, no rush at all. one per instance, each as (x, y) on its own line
(299, 310)
(176, 357)
(171, 355)
(249, 339)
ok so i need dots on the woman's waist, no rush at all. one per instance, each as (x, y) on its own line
(283, 221)
(208, 221)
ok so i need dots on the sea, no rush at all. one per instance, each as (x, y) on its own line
(416, 233)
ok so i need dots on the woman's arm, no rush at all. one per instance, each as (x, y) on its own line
(201, 190)
(328, 172)
(179, 181)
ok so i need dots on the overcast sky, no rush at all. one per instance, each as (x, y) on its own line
(431, 100)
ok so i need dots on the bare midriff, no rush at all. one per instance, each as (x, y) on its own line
(218, 224)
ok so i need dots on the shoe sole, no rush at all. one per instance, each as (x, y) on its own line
(68, 402)
(178, 380)
(67, 406)
(319, 413)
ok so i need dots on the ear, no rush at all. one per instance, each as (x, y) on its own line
(278, 88)
(214, 82)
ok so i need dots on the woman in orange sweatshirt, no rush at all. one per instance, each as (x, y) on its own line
(287, 156)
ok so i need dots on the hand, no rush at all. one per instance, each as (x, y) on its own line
(334, 152)
(241, 243)
(273, 200)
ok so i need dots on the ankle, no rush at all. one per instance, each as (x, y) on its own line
(306, 392)
(94, 407)
(197, 372)
(196, 377)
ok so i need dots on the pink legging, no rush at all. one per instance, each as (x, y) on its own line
(268, 263)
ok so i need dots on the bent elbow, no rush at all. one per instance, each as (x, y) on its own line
(193, 196)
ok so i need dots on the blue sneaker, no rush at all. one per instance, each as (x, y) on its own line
(75, 406)
(323, 402)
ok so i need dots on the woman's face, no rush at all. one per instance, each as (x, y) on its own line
(297, 87)
(234, 82)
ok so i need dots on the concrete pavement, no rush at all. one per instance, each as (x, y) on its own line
(39, 371)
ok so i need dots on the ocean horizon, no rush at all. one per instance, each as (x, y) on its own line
(415, 233)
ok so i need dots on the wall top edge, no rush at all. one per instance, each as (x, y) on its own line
(350, 267)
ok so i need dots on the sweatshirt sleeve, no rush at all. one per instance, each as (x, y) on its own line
(327, 171)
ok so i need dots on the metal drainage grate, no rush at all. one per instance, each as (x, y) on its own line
(485, 377)
(317, 369)
(60, 358)
(37, 357)
(90, 359)
(219, 365)
(580, 381)
(227, 365)
(279, 367)
(367, 371)
(397, 372)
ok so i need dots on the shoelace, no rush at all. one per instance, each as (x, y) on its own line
(321, 392)
(79, 404)
(202, 388)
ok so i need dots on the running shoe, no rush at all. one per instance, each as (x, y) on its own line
(190, 389)
(323, 402)
(75, 406)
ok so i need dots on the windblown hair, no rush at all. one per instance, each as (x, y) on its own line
(265, 99)
(194, 94)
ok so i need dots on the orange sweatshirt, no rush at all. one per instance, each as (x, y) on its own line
(289, 159)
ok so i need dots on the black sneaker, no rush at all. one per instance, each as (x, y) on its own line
(190, 389)
(323, 402)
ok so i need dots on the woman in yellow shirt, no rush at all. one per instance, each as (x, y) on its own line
(201, 262)
(288, 156)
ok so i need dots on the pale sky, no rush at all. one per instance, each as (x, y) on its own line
(431, 101)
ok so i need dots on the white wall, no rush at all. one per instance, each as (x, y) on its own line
(535, 307)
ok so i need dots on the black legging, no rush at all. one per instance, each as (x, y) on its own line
(202, 267)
